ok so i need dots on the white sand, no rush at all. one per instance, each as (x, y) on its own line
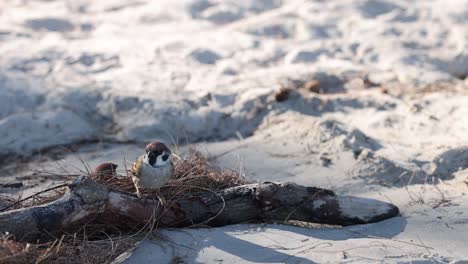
(196, 71)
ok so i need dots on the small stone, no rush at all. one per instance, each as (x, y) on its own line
(312, 86)
(326, 162)
(369, 83)
(282, 95)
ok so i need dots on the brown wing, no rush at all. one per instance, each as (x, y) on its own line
(136, 167)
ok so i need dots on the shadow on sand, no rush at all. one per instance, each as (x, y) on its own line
(255, 243)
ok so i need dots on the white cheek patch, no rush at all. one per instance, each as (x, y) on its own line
(160, 162)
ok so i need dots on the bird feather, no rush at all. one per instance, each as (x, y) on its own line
(136, 167)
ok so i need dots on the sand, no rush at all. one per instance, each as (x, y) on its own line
(388, 120)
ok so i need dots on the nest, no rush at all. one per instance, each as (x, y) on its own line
(193, 175)
(97, 242)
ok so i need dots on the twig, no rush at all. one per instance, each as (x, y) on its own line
(34, 195)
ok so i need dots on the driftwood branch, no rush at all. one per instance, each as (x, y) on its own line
(253, 202)
(85, 199)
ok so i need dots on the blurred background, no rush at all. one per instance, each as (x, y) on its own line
(282, 87)
(364, 97)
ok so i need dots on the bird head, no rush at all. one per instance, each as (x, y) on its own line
(158, 154)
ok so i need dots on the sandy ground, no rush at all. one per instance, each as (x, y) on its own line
(389, 119)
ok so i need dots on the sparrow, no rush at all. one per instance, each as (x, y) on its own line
(153, 169)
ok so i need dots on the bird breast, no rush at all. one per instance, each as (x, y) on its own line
(153, 178)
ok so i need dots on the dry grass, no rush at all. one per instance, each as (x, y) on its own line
(96, 242)
(192, 175)
(70, 248)
(42, 197)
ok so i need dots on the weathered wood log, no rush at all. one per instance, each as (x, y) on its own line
(253, 202)
(85, 199)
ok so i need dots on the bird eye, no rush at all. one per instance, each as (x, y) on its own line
(165, 157)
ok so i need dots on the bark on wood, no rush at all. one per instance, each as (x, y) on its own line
(252, 202)
(85, 199)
